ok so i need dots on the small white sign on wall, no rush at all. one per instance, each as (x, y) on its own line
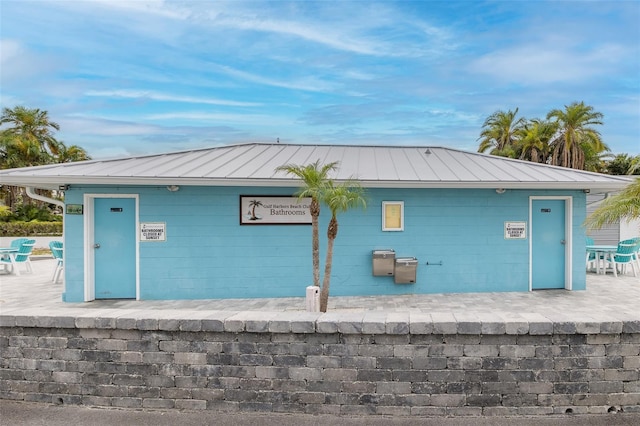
(153, 231)
(515, 230)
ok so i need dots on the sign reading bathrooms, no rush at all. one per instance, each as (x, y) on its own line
(153, 231)
(515, 230)
(274, 210)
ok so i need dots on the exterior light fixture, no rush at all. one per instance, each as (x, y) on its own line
(173, 188)
(500, 191)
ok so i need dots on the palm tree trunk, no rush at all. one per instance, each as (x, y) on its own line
(326, 282)
(568, 149)
(315, 241)
(332, 233)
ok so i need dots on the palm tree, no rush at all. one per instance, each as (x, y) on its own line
(32, 125)
(315, 178)
(625, 205)
(534, 140)
(339, 198)
(14, 153)
(634, 167)
(29, 141)
(595, 161)
(623, 164)
(575, 135)
(500, 132)
(68, 154)
(19, 152)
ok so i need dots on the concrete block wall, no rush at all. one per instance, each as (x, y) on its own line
(323, 364)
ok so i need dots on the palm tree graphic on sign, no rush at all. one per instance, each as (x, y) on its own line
(252, 205)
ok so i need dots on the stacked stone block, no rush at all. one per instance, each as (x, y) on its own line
(391, 364)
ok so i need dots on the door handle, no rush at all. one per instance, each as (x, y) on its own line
(96, 246)
(563, 242)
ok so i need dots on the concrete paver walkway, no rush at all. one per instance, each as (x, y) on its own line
(607, 298)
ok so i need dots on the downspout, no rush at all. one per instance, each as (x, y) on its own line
(32, 194)
(598, 202)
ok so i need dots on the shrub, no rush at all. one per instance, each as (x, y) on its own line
(30, 229)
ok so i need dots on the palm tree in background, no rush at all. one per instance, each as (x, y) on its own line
(576, 135)
(315, 178)
(32, 126)
(534, 140)
(69, 154)
(27, 139)
(624, 205)
(20, 152)
(339, 198)
(500, 132)
(634, 167)
(624, 164)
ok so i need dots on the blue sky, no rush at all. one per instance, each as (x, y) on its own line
(136, 77)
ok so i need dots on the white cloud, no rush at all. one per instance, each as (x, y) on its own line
(540, 64)
(222, 118)
(148, 8)
(311, 84)
(335, 38)
(156, 96)
(83, 125)
(17, 62)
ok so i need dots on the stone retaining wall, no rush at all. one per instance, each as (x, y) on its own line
(320, 365)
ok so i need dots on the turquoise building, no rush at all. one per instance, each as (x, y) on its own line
(223, 223)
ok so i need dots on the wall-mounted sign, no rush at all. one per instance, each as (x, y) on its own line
(274, 210)
(153, 231)
(515, 230)
(393, 215)
(74, 208)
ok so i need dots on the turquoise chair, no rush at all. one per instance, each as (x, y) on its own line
(24, 247)
(636, 253)
(624, 255)
(57, 252)
(591, 256)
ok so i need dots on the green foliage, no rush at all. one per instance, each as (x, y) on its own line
(576, 135)
(27, 139)
(30, 213)
(567, 137)
(624, 164)
(30, 229)
(5, 212)
(500, 132)
(625, 205)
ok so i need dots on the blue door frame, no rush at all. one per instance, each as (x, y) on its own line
(550, 243)
(111, 247)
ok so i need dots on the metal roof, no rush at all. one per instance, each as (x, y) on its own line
(255, 164)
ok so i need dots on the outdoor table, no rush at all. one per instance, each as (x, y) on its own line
(11, 252)
(601, 250)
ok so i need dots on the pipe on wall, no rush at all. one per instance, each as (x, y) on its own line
(32, 194)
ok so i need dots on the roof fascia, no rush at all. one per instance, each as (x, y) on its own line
(53, 182)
